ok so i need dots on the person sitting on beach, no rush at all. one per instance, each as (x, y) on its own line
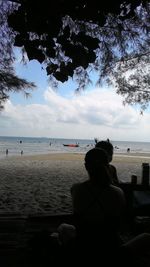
(98, 206)
(108, 147)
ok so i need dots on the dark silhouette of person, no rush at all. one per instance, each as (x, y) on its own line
(128, 149)
(6, 152)
(98, 207)
(108, 147)
(136, 252)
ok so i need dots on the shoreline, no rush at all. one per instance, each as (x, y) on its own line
(73, 155)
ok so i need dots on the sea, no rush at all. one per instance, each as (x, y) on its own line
(43, 145)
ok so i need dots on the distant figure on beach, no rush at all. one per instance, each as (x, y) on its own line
(128, 150)
(98, 205)
(95, 140)
(21, 152)
(20, 142)
(6, 152)
(108, 147)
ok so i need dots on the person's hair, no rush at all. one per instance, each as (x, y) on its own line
(96, 164)
(107, 146)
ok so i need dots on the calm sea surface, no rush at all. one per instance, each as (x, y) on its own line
(34, 146)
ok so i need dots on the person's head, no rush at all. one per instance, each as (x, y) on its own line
(96, 164)
(107, 146)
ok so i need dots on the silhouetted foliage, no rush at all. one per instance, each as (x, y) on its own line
(9, 82)
(8, 79)
(71, 38)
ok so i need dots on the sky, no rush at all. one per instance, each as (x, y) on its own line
(96, 112)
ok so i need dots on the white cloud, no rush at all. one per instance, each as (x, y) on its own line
(96, 113)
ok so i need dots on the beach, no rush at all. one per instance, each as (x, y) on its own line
(40, 184)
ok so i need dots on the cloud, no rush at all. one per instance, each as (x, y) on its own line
(97, 107)
(92, 113)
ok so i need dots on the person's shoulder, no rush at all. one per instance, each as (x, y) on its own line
(112, 167)
(117, 190)
(119, 195)
(74, 186)
(78, 186)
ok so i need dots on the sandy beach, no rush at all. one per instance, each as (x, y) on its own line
(41, 183)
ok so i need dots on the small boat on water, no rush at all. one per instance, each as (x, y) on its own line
(71, 145)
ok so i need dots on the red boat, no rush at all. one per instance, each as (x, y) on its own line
(71, 145)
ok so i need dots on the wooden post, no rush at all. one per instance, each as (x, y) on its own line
(133, 179)
(145, 174)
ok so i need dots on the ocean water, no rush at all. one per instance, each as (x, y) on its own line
(35, 145)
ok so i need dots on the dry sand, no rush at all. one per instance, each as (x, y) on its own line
(41, 183)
